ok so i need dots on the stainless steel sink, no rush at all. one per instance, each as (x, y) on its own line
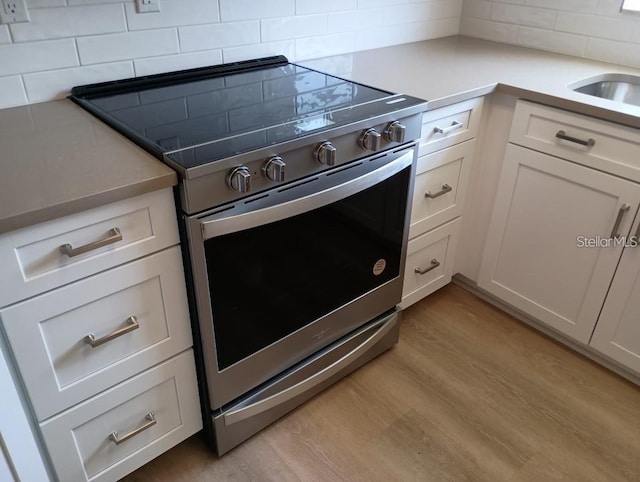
(618, 87)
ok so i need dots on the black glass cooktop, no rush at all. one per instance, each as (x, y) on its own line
(202, 115)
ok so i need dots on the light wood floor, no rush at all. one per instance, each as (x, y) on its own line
(468, 393)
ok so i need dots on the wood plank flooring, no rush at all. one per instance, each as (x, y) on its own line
(468, 394)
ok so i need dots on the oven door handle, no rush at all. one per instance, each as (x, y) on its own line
(234, 416)
(231, 224)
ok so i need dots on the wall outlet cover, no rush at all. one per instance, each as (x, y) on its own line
(14, 11)
(146, 6)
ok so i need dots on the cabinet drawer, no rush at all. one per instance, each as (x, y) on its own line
(80, 440)
(47, 334)
(440, 187)
(459, 122)
(433, 254)
(614, 147)
(33, 257)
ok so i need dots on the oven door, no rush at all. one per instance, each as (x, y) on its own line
(282, 274)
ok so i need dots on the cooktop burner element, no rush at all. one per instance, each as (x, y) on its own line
(249, 124)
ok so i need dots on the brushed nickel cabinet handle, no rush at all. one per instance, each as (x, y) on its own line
(445, 189)
(563, 135)
(623, 209)
(445, 130)
(434, 264)
(131, 324)
(151, 421)
(114, 236)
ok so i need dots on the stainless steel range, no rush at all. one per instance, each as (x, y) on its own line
(294, 198)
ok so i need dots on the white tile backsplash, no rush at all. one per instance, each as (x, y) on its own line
(131, 45)
(233, 10)
(272, 29)
(5, 38)
(70, 42)
(12, 92)
(21, 58)
(174, 13)
(586, 28)
(56, 83)
(304, 7)
(206, 37)
(52, 23)
(156, 65)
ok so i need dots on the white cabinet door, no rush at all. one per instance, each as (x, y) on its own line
(545, 209)
(617, 333)
(20, 459)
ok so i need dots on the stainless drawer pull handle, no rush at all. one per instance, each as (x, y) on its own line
(434, 264)
(445, 130)
(114, 236)
(588, 143)
(614, 232)
(445, 189)
(151, 421)
(131, 324)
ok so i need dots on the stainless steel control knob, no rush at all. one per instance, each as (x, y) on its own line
(274, 169)
(370, 140)
(239, 179)
(326, 154)
(395, 132)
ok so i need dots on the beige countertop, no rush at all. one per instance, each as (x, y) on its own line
(56, 159)
(453, 69)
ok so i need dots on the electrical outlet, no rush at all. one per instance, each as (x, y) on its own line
(14, 11)
(146, 6)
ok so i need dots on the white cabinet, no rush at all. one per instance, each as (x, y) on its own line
(562, 241)
(617, 334)
(442, 176)
(97, 320)
(537, 255)
(20, 459)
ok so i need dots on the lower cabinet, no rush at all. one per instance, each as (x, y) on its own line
(20, 458)
(551, 250)
(429, 262)
(617, 334)
(125, 427)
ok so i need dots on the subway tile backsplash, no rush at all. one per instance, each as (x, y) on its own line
(72, 42)
(593, 29)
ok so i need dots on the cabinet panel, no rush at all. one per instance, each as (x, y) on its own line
(450, 125)
(545, 209)
(429, 263)
(445, 171)
(48, 333)
(617, 333)
(80, 441)
(34, 260)
(19, 455)
(612, 148)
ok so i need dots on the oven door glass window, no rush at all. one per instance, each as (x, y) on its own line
(269, 281)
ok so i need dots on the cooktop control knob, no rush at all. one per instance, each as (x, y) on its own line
(395, 132)
(370, 140)
(274, 169)
(239, 179)
(326, 154)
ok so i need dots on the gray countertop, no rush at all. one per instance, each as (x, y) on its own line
(452, 69)
(56, 159)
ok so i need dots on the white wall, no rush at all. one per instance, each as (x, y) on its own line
(73, 42)
(594, 29)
